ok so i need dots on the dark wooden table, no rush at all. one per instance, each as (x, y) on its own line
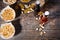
(28, 22)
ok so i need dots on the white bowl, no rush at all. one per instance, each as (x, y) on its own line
(9, 3)
(2, 25)
(4, 10)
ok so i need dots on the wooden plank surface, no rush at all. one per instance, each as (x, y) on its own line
(28, 32)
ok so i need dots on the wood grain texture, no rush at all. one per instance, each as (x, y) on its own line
(28, 22)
